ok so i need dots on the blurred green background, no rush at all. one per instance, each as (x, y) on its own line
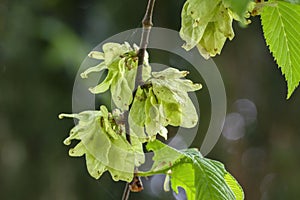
(42, 44)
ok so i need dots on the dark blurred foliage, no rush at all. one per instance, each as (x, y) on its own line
(42, 43)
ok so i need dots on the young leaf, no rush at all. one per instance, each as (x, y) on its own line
(239, 7)
(164, 156)
(121, 62)
(207, 24)
(183, 175)
(171, 90)
(146, 117)
(216, 33)
(163, 101)
(200, 177)
(102, 141)
(280, 25)
(234, 186)
(194, 21)
(154, 121)
(211, 184)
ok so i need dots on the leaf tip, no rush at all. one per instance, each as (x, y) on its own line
(63, 115)
(67, 141)
(290, 92)
(203, 52)
(187, 47)
(83, 75)
(291, 87)
(96, 55)
(199, 86)
(92, 90)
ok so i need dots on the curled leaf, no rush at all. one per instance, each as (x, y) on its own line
(171, 90)
(96, 68)
(216, 33)
(101, 140)
(96, 55)
(121, 62)
(161, 102)
(208, 24)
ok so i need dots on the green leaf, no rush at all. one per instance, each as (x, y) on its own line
(193, 22)
(163, 101)
(239, 7)
(202, 10)
(234, 186)
(104, 85)
(281, 29)
(96, 55)
(216, 33)
(101, 140)
(121, 87)
(121, 62)
(206, 24)
(293, 1)
(155, 120)
(171, 90)
(113, 51)
(96, 68)
(137, 115)
(200, 177)
(164, 156)
(183, 175)
(211, 184)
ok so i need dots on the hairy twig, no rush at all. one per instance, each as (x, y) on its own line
(147, 25)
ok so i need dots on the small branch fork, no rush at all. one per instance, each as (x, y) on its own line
(136, 184)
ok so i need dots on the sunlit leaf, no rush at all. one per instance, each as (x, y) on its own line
(179, 178)
(293, 1)
(207, 24)
(201, 178)
(171, 90)
(103, 142)
(121, 61)
(164, 156)
(194, 23)
(96, 68)
(234, 186)
(96, 55)
(216, 33)
(281, 29)
(163, 101)
(239, 7)
(120, 89)
(155, 120)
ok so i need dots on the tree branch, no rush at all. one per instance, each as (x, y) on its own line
(136, 184)
(147, 25)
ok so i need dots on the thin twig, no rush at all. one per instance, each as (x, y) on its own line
(126, 192)
(147, 25)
